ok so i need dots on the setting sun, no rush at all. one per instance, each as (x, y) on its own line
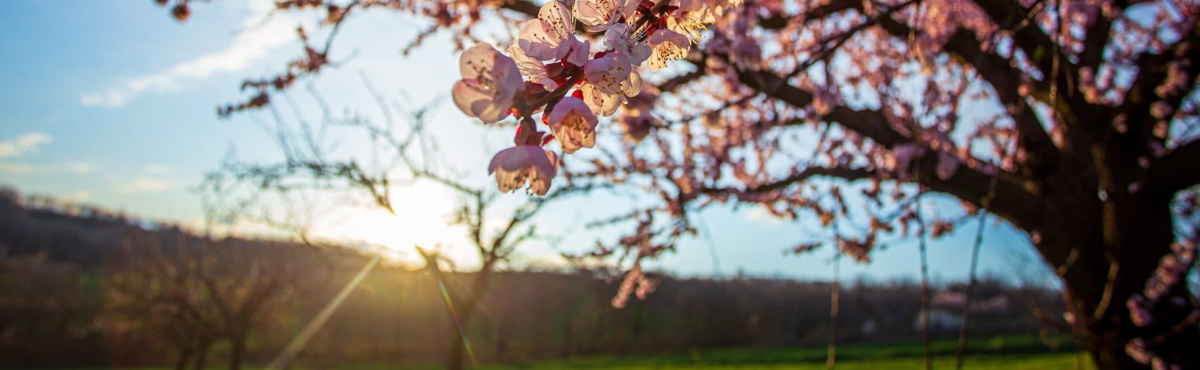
(422, 219)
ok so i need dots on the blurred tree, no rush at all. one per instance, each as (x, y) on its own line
(151, 292)
(1075, 121)
(199, 292)
(43, 310)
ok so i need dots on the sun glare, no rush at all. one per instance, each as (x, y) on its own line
(422, 218)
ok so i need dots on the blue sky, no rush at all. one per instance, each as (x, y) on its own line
(113, 104)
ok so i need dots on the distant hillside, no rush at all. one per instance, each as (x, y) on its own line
(80, 286)
(64, 232)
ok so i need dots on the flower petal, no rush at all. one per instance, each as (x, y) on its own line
(608, 72)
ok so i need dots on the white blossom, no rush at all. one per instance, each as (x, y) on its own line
(600, 102)
(573, 124)
(490, 79)
(618, 39)
(599, 15)
(667, 46)
(531, 68)
(551, 35)
(516, 166)
(608, 73)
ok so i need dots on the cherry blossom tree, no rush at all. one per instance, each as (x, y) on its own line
(1073, 120)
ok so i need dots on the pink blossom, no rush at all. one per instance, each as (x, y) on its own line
(618, 39)
(573, 124)
(1176, 80)
(533, 70)
(947, 165)
(632, 280)
(668, 45)
(489, 81)
(1139, 311)
(516, 166)
(1136, 349)
(608, 73)
(1161, 110)
(599, 15)
(600, 102)
(746, 54)
(551, 35)
(637, 123)
(905, 154)
(579, 52)
(823, 101)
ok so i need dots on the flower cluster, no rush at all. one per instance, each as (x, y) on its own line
(552, 72)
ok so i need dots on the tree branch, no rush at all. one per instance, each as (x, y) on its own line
(1011, 201)
(1005, 81)
(1010, 15)
(844, 173)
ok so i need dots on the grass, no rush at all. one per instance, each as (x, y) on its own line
(1018, 353)
(1008, 353)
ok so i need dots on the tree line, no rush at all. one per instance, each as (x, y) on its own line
(82, 289)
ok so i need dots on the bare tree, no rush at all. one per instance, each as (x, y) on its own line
(198, 292)
(400, 155)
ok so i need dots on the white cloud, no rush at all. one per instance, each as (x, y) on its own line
(143, 184)
(78, 168)
(24, 144)
(118, 96)
(254, 42)
(31, 143)
(15, 168)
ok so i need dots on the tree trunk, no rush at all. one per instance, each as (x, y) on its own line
(237, 351)
(185, 354)
(1110, 346)
(201, 356)
(1105, 252)
(458, 347)
(460, 323)
(455, 361)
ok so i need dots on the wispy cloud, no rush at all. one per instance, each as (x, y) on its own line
(255, 41)
(145, 184)
(31, 143)
(78, 168)
(24, 144)
(16, 168)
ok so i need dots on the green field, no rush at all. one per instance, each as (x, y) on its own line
(1000, 353)
(1008, 353)
(997, 353)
